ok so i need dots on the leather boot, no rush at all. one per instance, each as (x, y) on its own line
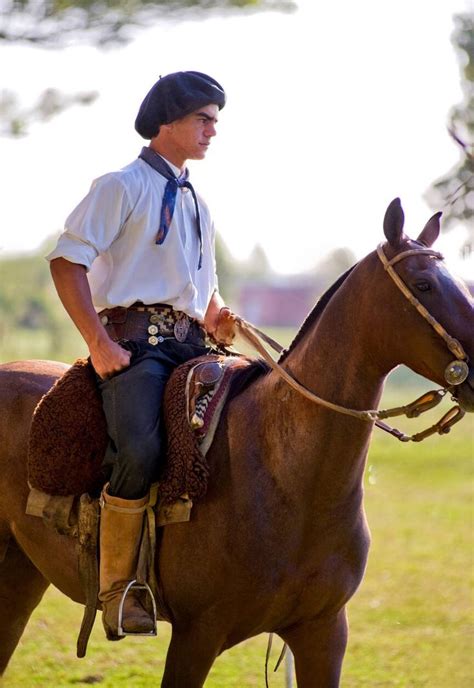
(121, 523)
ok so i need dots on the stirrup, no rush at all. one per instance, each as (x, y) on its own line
(133, 585)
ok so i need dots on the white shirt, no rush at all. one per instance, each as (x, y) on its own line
(112, 232)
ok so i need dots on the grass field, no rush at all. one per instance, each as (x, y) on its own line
(411, 622)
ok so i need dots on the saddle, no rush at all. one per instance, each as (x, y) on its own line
(68, 435)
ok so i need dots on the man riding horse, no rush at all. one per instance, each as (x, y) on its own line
(135, 270)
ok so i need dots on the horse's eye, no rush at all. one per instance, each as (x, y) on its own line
(423, 285)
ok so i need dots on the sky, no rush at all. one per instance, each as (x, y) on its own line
(332, 112)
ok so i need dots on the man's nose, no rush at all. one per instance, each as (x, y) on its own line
(210, 130)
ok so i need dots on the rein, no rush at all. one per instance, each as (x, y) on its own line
(455, 373)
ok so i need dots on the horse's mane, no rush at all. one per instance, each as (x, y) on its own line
(242, 379)
(315, 313)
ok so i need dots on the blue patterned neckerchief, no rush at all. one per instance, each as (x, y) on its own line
(169, 197)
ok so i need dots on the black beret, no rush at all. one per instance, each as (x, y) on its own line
(174, 96)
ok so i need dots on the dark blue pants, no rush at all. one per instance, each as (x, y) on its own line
(132, 401)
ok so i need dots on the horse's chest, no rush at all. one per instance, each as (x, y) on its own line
(333, 568)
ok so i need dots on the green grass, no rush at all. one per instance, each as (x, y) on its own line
(412, 617)
(46, 655)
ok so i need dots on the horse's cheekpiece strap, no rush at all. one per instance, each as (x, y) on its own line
(453, 345)
(152, 324)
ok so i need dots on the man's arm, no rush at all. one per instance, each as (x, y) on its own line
(211, 318)
(72, 286)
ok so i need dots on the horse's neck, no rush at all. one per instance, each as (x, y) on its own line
(338, 360)
(344, 357)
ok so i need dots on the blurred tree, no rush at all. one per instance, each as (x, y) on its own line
(333, 265)
(15, 119)
(233, 273)
(257, 265)
(56, 23)
(226, 269)
(454, 192)
(30, 312)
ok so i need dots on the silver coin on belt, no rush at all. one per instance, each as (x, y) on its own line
(181, 328)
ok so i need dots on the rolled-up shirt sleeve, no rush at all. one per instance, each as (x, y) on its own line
(95, 223)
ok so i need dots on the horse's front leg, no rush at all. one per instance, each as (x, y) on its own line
(318, 647)
(190, 656)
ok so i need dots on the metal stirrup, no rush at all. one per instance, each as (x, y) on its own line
(134, 585)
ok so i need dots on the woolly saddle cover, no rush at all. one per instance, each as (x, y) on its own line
(68, 435)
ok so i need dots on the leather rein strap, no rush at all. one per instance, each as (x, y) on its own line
(425, 402)
(248, 332)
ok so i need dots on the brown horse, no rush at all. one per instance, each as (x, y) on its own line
(280, 542)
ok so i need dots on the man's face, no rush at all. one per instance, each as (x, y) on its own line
(191, 135)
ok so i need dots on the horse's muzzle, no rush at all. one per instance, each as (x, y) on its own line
(464, 392)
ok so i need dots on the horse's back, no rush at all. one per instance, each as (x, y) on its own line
(22, 384)
(29, 376)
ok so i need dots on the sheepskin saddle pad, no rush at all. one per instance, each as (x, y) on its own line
(68, 435)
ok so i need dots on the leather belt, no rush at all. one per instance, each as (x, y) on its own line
(151, 324)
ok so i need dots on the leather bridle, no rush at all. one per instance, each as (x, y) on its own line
(453, 345)
(455, 373)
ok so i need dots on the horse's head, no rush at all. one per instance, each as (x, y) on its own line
(437, 311)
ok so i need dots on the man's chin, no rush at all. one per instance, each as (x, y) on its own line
(198, 155)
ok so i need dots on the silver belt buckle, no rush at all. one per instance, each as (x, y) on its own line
(181, 328)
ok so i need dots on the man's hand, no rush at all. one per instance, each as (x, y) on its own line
(109, 358)
(225, 330)
(70, 279)
(219, 320)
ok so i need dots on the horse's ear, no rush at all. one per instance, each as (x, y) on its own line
(393, 223)
(430, 231)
